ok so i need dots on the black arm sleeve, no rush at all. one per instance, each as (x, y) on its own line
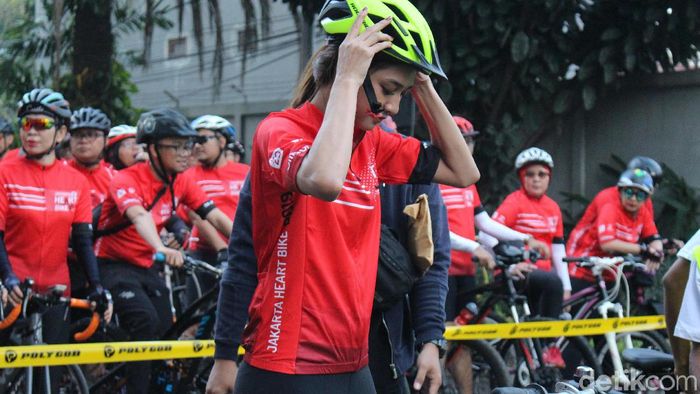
(204, 210)
(426, 165)
(238, 283)
(81, 237)
(8, 276)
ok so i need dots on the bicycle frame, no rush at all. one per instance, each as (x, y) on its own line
(597, 298)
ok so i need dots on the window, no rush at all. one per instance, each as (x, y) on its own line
(177, 47)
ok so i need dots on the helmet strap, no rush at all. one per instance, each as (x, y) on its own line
(47, 152)
(374, 105)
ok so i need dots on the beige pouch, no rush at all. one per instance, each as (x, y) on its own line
(420, 233)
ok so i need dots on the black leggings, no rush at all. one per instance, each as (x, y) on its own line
(544, 293)
(457, 296)
(252, 380)
(142, 305)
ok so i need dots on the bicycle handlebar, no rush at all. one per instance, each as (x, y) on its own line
(54, 299)
(192, 263)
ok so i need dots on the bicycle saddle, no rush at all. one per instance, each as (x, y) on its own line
(648, 360)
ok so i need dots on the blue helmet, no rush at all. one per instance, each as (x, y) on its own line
(637, 178)
(5, 127)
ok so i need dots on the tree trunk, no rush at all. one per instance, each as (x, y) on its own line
(58, 37)
(93, 50)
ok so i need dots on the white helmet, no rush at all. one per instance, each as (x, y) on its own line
(211, 122)
(533, 155)
(119, 133)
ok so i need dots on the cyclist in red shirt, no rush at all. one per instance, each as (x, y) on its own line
(465, 212)
(612, 195)
(221, 180)
(7, 137)
(44, 203)
(88, 133)
(122, 151)
(141, 200)
(529, 210)
(314, 176)
(620, 226)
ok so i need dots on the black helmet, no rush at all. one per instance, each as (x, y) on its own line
(5, 127)
(90, 118)
(44, 101)
(162, 123)
(647, 164)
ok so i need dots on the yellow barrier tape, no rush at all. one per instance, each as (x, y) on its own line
(93, 353)
(555, 328)
(111, 352)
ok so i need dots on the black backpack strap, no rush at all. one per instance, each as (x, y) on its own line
(123, 225)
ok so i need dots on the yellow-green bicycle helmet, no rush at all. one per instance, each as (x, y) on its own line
(413, 40)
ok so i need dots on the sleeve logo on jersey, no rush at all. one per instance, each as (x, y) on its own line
(276, 158)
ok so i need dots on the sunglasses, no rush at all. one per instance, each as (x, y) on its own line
(38, 124)
(541, 174)
(639, 195)
(203, 139)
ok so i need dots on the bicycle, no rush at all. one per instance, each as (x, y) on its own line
(598, 299)
(179, 375)
(525, 358)
(22, 380)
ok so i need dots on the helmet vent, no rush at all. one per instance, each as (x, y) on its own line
(390, 30)
(397, 12)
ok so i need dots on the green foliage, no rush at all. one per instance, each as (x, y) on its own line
(27, 40)
(677, 206)
(518, 68)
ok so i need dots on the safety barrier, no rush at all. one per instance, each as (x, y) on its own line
(93, 353)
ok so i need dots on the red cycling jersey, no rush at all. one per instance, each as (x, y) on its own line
(137, 185)
(222, 185)
(317, 260)
(99, 179)
(38, 206)
(11, 154)
(605, 196)
(462, 204)
(539, 217)
(612, 223)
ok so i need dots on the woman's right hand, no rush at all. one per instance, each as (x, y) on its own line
(485, 258)
(521, 269)
(222, 378)
(16, 295)
(357, 50)
(172, 257)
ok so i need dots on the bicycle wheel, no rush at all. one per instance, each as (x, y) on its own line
(488, 370)
(640, 339)
(70, 381)
(564, 354)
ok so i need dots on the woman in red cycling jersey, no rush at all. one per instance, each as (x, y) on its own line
(621, 227)
(530, 211)
(43, 203)
(315, 173)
